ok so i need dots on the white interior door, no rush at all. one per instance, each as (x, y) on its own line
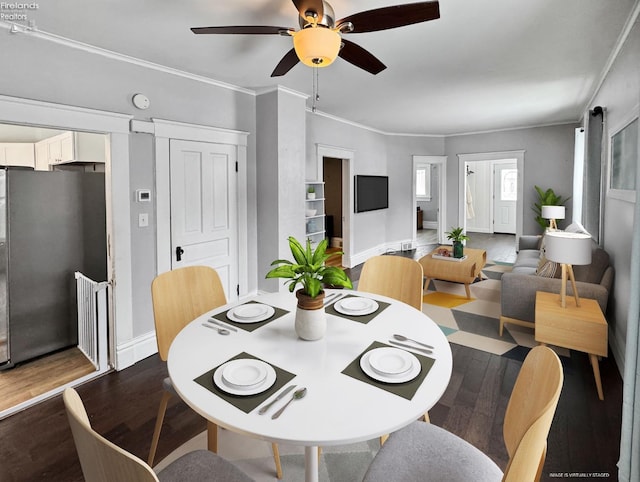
(204, 209)
(505, 197)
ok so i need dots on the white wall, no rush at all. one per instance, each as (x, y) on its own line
(281, 176)
(51, 72)
(548, 163)
(55, 73)
(377, 154)
(620, 96)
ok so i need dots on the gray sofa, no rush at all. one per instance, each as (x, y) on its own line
(518, 296)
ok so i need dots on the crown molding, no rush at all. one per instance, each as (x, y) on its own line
(622, 39)
(74, 44)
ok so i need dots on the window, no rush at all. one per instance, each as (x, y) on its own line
(509, 185)
(423, 182)
(624, 152)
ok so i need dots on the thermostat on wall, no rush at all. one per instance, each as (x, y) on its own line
(143, 195)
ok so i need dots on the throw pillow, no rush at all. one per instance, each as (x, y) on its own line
(576, 228)
(546, 268)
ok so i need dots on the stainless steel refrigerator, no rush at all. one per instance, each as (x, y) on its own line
(51, 225)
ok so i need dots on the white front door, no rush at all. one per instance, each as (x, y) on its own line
(505, 197)
(204, 210)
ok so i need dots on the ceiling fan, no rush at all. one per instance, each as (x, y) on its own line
(319, 40)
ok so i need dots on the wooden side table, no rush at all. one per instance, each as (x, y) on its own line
(582, 328)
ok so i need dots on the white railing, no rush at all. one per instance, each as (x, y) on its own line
(92, 319)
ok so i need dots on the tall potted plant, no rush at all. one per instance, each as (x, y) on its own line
(546, 198)
(308, 269)
(457, 236)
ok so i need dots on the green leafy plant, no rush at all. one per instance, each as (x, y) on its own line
(546, 198)
(456, 234)
(308, 268)
(311, 189)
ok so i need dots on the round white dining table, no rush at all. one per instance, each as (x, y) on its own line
(338, 409)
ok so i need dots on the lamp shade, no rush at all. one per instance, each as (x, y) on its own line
(316, 46)
(553, 212)
(568, 248)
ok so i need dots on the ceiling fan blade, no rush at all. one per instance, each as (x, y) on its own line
(288, 62)
(360, 57)
(312, 5)
(242, 29)
(392, 17)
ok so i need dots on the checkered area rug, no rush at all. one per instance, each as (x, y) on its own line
(475, 322)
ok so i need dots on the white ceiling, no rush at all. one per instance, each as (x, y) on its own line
(484, 65)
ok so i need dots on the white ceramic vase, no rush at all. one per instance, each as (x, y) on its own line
(311, 324)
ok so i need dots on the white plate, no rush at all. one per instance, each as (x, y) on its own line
(244, 373)
(250, 313)
(355, 306)
(269, 380)
(390, 361)
(409, 375)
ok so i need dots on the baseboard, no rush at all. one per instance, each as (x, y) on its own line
(429, 224)
(136, 349)
(393, 246)
(361, 257)
(618, 352)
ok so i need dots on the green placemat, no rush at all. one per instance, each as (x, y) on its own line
(405, 390)
(250, 326)
(246, 403)
(362, 318)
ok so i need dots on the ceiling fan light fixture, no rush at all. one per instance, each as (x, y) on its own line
(316, 46)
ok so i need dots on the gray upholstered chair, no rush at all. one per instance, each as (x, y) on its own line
(424, 452)
(103, 461)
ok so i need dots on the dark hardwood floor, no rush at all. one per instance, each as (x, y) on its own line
(36, 444)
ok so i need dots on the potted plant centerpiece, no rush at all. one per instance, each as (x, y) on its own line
(457, 236)
(308, 269)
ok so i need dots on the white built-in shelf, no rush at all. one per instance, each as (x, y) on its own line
(315, 225)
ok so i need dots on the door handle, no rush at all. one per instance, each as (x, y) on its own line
(179, 253)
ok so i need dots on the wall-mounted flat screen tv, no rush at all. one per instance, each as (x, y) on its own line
(371, 193)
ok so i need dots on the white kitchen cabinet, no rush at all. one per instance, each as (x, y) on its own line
(42, 156)
(71, 146)
(17, 154)
(89, 147)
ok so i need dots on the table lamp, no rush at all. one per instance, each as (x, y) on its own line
(568, 249)
(552, 213)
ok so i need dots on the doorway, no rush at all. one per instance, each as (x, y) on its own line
(491, 196)
(52, 364)
(338, 182)
(484, 207)
(429, 194)
(333, 204)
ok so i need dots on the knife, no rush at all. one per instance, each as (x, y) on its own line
(328, 299)
(279, 397)
(216, 322)
(411, 347)
(333, 301)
